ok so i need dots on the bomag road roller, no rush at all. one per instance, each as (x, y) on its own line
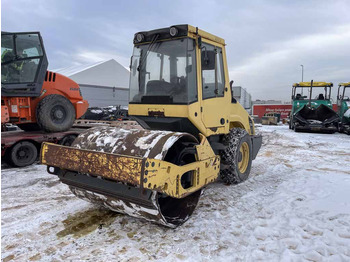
(32, 97)
(194, 132)
(343, 103)
(313, 113)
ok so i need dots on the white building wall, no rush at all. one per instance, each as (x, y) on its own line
(102, 96)
(109, 73)
(102, 84)
(243, 97)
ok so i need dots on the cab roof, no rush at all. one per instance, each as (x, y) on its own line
(206, 35)
(345, 84)
(183, 30)
(314, 84)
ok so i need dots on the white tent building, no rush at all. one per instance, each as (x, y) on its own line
(102, 84)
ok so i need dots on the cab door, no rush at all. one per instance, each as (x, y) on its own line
(215, 102)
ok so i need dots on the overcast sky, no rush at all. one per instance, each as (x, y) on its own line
(267, 41)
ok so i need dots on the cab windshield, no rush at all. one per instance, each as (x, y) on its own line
(317, 93)
(345, 96)
(164, 73)
(21, 55)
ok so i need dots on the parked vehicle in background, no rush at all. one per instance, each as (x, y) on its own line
(313, 113)
(343, 103)
(34, 99)
(111, 113)
(271, 118)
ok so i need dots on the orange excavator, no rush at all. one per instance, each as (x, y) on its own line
(33, 98)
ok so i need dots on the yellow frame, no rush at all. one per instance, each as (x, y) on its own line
(153, 174)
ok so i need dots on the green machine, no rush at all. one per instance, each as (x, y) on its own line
(313, 113)
(343, 103)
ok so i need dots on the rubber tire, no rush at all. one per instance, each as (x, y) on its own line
(67, 140)
(230, 155)
(46, 108)
(290, 123)
(29, 127)
(32, 155)
(291, 126)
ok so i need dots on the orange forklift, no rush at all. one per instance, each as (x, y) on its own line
(42, 103)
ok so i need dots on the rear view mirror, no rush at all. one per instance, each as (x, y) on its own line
(231, 84)
(208, 60)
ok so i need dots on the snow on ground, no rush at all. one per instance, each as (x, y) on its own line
(295, 206)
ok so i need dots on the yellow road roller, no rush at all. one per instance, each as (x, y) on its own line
(193, 133)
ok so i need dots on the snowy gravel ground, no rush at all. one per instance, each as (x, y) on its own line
(294, 207)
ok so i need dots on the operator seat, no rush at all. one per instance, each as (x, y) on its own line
(320, 97)
(28, 71)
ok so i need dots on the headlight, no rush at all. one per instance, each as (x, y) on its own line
(173, 31)
(139, 37)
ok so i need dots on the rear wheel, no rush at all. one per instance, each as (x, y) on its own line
(22, 154)
(237, 157)
(55, 113)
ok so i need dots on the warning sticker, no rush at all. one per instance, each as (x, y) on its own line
(14, 108)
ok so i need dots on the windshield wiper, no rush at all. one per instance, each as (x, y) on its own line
(138, 69)
(143, 59)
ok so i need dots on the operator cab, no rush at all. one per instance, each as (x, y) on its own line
(310, 87)
(343, 92)
(164, 69)
(23, 64)
(179, 80)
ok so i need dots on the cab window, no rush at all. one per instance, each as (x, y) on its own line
(213, 76)
(28, 45)
(21, 55)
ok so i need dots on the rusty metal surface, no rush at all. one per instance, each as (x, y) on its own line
(84, 123)
(136, 143)
(165, 177)
(135, 157)
(109, 148)
(153, 174)
(116, 167)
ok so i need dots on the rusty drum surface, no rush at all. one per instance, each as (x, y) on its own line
(160, 145)
(132, 142)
